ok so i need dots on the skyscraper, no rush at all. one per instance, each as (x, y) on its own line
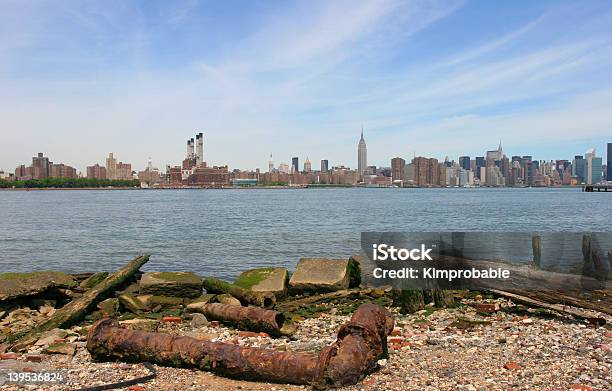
(594, 167)
(609, 176)
(270, 164)
(480, 162)
(464, 162)
(362, 156)
(295, 165)
(578, 168)
(307, 165)
(324, 165)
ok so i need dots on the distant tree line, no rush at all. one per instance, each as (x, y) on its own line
(69, 183)
(276, 183)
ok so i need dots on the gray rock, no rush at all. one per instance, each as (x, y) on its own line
(324, 275)
(198, 320)
(176, 284)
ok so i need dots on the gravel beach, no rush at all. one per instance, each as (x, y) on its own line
(443, 349)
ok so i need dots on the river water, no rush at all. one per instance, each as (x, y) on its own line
(223, 232)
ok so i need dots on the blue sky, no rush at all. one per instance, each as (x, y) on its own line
(79, 79)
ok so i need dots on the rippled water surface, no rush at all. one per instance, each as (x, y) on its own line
(222, 232)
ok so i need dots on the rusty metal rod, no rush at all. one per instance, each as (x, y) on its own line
(245, 318)
(360, 344)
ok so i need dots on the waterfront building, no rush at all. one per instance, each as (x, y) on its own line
(295, 165)
(23, 173)
(96, 172)
(362, 156)
(410, 174)
(324, 165)
(397, 168)
(117, 170)
(341, 175)
(6, 176)
(609, 172)
(209, 177)
(61, 171)
(464, 162)
(40, 166)
(149, 175)
(427, 171)
(283, 168)
(377, 181)
(307, 165)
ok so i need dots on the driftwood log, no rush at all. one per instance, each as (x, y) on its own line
(360, 344)
(72, 312)
(246, 297)
(530, 301)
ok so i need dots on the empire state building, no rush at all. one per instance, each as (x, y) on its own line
(362, 156)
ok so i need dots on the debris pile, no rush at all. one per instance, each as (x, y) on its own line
(319, 326)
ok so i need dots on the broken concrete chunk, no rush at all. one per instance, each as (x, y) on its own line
(15, 285)
(60, 348)
(269, 279)
(131, 303)
(325, 275)
(197, 304)
(227, 299)
(51, 336)
(176, 284)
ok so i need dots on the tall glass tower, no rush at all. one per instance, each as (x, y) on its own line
(362, 156)
(609, 176)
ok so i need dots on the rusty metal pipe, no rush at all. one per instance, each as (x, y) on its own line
(361, 342)
(245, 318)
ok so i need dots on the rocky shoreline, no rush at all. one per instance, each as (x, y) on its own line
(478, 341)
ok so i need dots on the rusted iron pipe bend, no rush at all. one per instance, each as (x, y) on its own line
(360, 344)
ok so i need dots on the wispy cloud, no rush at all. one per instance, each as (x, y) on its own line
(298, 78)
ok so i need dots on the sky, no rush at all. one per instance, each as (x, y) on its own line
(80, 79)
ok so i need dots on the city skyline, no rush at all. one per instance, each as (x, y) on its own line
(83, 79)
(195, 157)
